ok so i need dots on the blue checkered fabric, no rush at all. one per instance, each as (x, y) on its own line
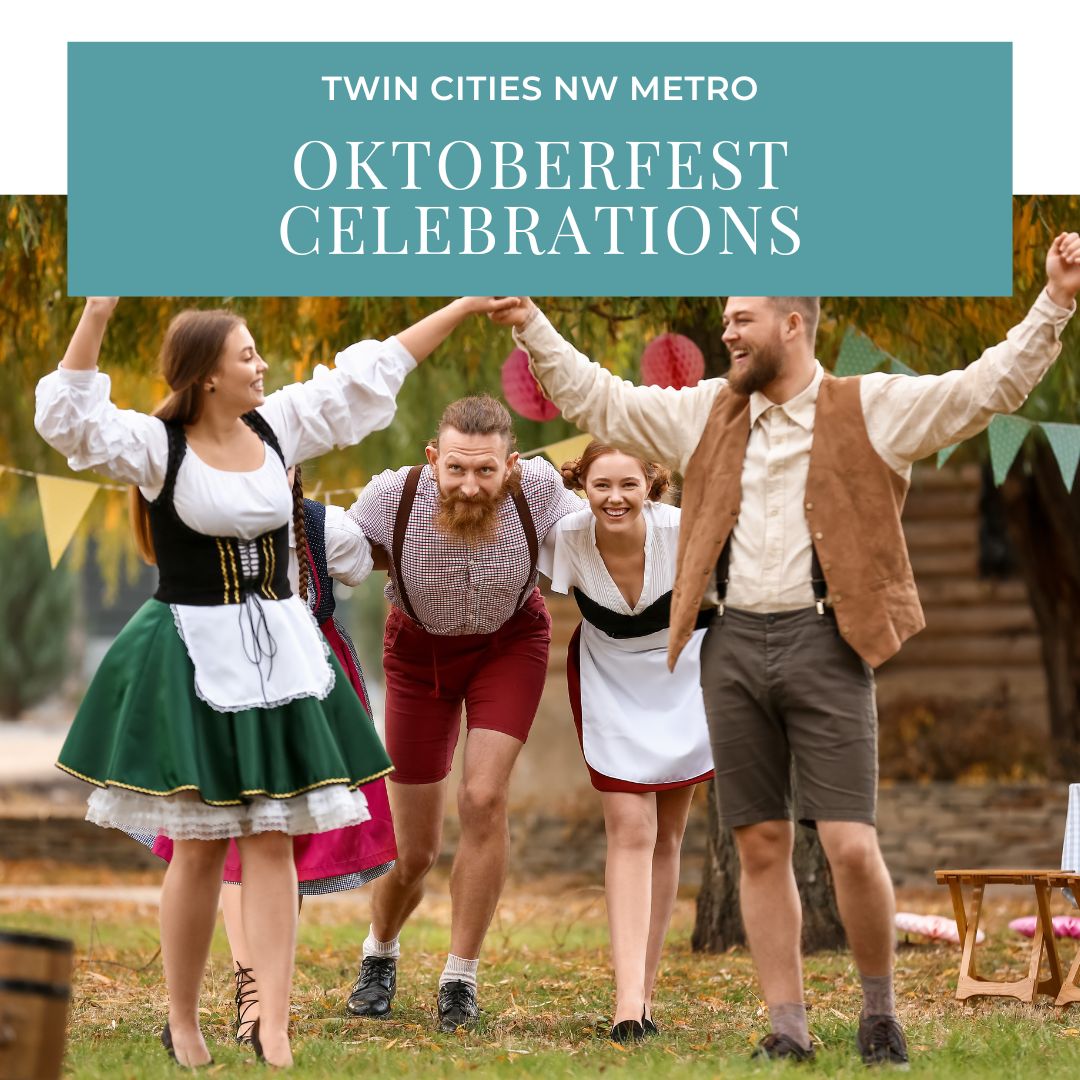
(1070, 850)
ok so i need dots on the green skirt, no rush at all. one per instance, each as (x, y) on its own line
(141, 728)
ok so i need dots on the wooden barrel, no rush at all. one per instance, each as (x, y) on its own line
(35, 987)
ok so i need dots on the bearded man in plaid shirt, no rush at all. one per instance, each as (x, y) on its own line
(467, 626)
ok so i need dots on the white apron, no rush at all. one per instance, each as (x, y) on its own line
(639, 722)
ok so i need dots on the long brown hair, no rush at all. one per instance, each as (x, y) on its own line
(657, 478)
(190, 353)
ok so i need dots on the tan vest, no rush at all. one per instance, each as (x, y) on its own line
(853, 505)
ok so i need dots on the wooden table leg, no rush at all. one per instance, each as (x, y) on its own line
(956, 891)
(1053, 984)
(967, 983)
(1070, 991)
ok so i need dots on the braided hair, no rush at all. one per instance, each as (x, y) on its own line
(657, 478)
(300, 532)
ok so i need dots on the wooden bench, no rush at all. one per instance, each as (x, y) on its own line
(969, 983)
(1070, 986)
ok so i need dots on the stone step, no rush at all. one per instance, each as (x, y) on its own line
(1005, 617)
(990, 652)
(958, 534)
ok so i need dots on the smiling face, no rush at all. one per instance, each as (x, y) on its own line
(616, 488)
(754, 336)
(238, 378)
(473, 473)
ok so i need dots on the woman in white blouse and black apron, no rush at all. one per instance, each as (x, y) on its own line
(642, 729)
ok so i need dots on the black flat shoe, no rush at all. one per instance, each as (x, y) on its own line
(649, 1027)
(256, 1044)
(166, 1041)
(627, 1031)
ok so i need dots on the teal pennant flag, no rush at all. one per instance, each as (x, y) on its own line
(1064, 440)
(1006, 434)
(858, 355)
(945, 453)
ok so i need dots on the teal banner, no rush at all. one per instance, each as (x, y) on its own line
(554, 169)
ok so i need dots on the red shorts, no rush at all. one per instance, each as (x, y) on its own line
(498, 677)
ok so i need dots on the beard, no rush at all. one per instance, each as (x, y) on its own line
(759, 369)
(473, 519)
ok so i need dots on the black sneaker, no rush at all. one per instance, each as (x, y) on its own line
(457, 1006)
(775, 1047)
(374, 988)
(881, 1041)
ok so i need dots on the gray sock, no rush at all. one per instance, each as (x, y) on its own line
(790, 1019)
(877, 993)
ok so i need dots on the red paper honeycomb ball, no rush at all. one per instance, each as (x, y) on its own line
(672, 360)
(522, 391)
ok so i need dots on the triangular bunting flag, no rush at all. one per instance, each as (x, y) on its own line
(565, 449)
(63, 504)
(858, 355)
(1007, 434)
(898, 367)
(944, 454)
(1065, 442)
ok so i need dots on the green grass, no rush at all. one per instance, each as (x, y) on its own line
(546, 989)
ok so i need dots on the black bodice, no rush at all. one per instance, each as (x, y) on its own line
(657, 616)
(205, 571)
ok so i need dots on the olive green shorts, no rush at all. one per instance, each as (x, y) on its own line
(790, 705)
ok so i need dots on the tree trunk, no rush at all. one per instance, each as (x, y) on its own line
(1044, 523)
(719, 922)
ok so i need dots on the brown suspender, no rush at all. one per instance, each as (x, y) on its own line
(527, 523)
(401, 524)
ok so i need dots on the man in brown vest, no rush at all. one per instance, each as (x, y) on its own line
(794, 482)
(467, 627)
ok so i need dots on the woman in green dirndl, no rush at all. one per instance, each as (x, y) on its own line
(219, 712)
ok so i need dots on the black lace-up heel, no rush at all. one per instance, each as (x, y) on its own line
(246, 998)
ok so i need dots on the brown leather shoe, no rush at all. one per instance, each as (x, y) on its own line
(776, 1047)
(881, 1041)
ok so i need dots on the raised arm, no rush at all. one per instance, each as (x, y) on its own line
(74, 415)
(340, 407)
(908, 418)
(85, 348)
(424, 337)
(660, 423)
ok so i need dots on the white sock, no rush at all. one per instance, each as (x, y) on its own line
(374, 947)
(459, 970)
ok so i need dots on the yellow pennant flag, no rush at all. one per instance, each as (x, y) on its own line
(566, 449)
(63, 504)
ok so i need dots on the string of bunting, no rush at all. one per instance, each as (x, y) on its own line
(65, 501)
(1006, 434)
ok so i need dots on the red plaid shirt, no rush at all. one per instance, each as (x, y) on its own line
(455, 588)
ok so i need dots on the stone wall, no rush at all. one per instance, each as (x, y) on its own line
(922, 826)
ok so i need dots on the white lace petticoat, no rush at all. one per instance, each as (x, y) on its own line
(183, 817)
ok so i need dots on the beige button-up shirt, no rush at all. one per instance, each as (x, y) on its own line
(907, 418)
